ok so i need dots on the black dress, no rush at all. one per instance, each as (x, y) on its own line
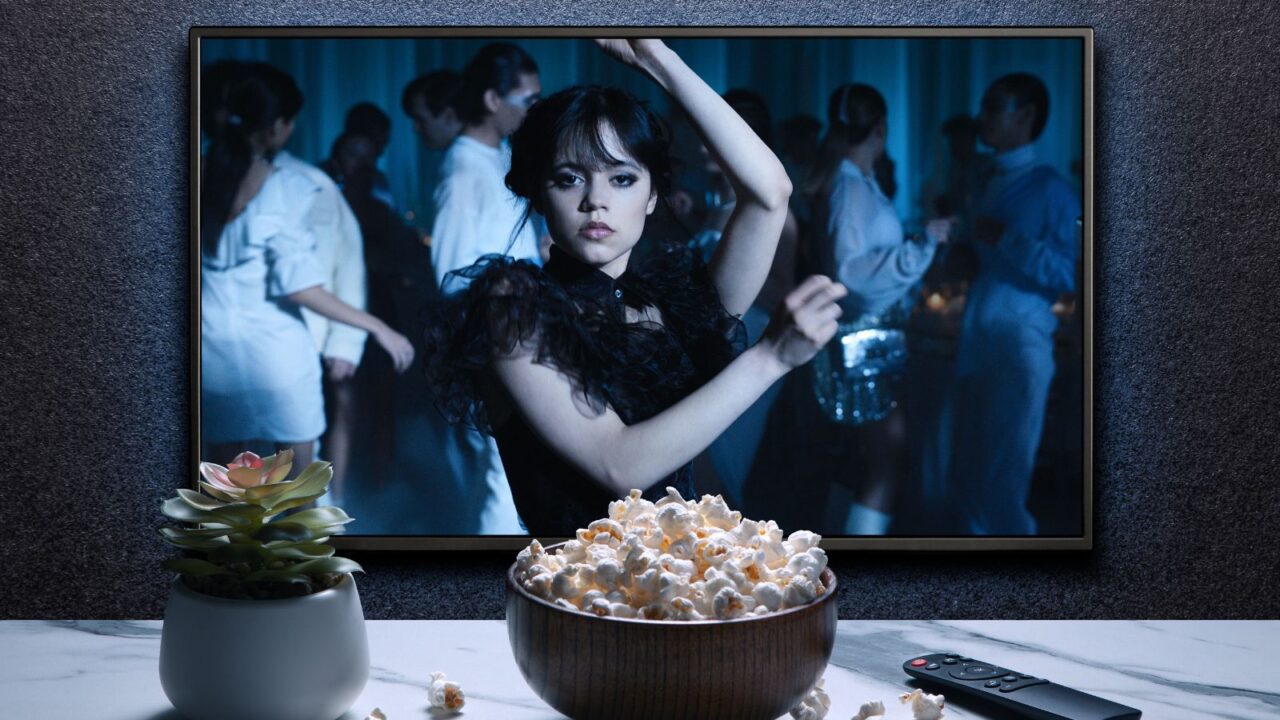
(574, 318)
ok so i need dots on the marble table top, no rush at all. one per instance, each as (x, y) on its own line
(1171, 670)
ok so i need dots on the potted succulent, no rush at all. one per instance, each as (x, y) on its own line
(263, 621)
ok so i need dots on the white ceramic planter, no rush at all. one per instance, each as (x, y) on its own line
(304, 658)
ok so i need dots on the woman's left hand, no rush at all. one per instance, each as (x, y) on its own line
(636, 52)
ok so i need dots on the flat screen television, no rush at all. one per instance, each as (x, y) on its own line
(951, 410)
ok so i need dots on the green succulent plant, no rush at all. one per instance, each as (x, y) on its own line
(249, 547)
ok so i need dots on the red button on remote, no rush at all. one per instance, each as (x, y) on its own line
(918, 662)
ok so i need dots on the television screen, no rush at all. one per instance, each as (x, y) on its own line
(404, 264)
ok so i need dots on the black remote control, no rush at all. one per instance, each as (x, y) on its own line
(1024, 694)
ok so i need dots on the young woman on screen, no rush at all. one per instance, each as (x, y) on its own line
(597, 374)
(260, 371)
(859, 240)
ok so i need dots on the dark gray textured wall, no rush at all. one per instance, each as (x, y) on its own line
(94, 303)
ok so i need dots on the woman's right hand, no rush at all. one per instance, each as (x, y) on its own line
(397, 346)
(636, 52)
(804, 322)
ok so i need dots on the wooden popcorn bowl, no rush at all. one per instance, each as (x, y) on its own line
(590, 667)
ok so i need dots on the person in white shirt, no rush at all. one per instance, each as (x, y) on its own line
(477, 215)
(1026, 243)
(340, 251)
(260, 372)
(475, 212)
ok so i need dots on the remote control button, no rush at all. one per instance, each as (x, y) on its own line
(976, 672)
(918, 662)
(1010, 687)
(952, 655)
(1009, 678)
(993, 683)
(950, 661)
(1027, 677)
(932, 666)
(966, 659)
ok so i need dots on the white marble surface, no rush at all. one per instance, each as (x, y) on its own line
(1181, 670)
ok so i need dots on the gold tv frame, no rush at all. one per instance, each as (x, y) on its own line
(1083, 542)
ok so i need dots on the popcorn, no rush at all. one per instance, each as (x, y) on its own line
(682, 608)
(870, 710)
(565, 583)
(715, 513)
(607, 532)
(677, 559)
(677, 521)
(808, 564)
(445, 694)
(728, 604)
(802, 540)
(923, 705)
(813, 706)
(800, 591)
(768, 595)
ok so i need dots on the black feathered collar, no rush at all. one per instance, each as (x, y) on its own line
(590, 282)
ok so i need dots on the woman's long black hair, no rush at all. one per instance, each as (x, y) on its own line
(575, 118)
(239, 99)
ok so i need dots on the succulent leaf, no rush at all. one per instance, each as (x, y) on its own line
(239, 515)
(177, 509)
(292, 503)
(301, 551)
(245, 477)
(198, 501)
(193, 539)
(215, 492)
(313, 479)
(321, 517)
(328, 565)
(284, 530)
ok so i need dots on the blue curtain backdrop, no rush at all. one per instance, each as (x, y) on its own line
(924, 81)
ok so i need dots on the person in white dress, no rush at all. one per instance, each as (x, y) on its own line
(260, 371)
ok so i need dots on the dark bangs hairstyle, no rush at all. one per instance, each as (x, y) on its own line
(240, 100)
(570, 124)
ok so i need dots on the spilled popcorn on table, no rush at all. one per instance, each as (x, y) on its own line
(814, 705)
(445, 694)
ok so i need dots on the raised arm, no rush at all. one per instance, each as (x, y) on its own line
(621, 457)
(750, 238)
